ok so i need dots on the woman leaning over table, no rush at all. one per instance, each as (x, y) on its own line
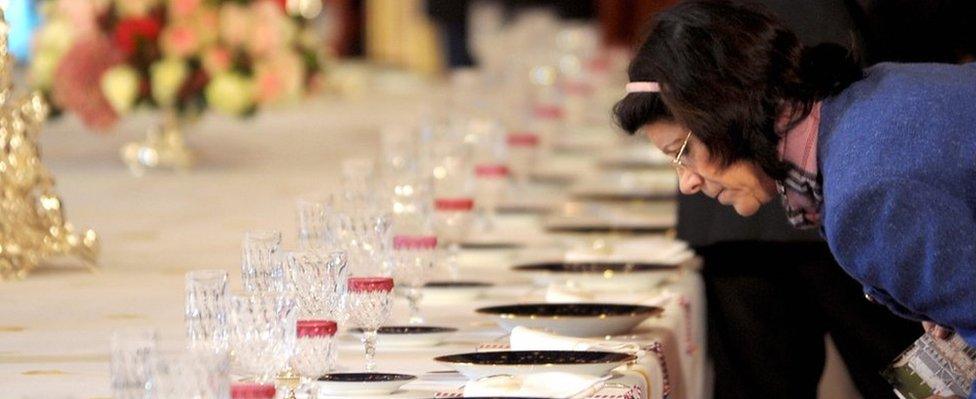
(882, 160)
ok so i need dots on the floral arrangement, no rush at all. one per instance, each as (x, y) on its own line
(100, 59)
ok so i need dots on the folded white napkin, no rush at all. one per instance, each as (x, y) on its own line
(647, 366)
(549, 384)
(649, 250)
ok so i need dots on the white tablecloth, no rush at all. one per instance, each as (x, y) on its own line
(55, 325)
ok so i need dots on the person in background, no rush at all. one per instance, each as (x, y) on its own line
(451, 16)
(881, 160)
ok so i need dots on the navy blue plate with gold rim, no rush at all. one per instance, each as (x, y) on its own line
(341, 384)
(477, 365)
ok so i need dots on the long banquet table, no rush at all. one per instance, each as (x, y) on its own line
(55, 325)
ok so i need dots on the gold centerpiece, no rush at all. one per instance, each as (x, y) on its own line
(32, 223)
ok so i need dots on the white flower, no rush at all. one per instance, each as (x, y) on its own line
(120, 85)
(55, 36)
(42, 67)
(166, 77)
(230, 93)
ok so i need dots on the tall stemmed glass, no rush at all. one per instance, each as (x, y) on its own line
(133, 352)
(363, 229)
(317, 281)
(453, 222)
(314, 356)
(197, 374)
(262, 334)
(414, 261)
(523, 150)
(492, 180)
(370, 305)
(206, 308)
(313, 223)
(260, 267)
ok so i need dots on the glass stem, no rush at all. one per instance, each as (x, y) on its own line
(491, 212)
(413, 297)
(453, 252)
(369, 342)
(309, 387)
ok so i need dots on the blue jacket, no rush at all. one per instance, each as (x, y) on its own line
(897, 155)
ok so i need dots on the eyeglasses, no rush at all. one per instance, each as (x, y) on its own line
(681, 161)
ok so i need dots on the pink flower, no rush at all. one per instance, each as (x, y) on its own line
(183, 8)
(279, 79)
(77, 82)
(217, 59)
(234, 24)
(81, 13)
(180, 40)
(270, 29)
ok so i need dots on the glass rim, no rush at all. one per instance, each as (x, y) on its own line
(206, 274)
(262, 234)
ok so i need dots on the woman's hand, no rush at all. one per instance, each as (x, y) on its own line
(936, 330)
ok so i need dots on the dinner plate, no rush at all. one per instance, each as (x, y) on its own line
(362, 383)
(637, 157)
(598, 275)
(409, 336)
(453, 291)
(572, 319)
(626, 186)
(612, 217)
(477, 365)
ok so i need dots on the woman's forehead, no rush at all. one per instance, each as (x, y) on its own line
(663, 133)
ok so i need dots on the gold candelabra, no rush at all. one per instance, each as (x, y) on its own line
(32, 223)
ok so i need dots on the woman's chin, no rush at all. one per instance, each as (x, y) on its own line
(746, 207)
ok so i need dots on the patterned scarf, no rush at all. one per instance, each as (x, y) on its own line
(801, 191)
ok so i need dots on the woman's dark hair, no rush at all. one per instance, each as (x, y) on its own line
(727, 71)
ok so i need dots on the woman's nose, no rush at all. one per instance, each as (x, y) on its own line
(689, 182)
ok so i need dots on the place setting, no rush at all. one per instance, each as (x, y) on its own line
(464, 237)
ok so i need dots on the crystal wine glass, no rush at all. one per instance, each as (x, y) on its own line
(198, 374)
(370, 305)
(314, 351)
(317, 280)
(313, 219)
(133, 351)
(453, 222)
(414, 261)
(363, 230)
(523, 149)
(492, 180)
(262, 333)
(260, 267)
(206, 308)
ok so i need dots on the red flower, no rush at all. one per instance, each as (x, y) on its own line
(283, 4)
(130, 30)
